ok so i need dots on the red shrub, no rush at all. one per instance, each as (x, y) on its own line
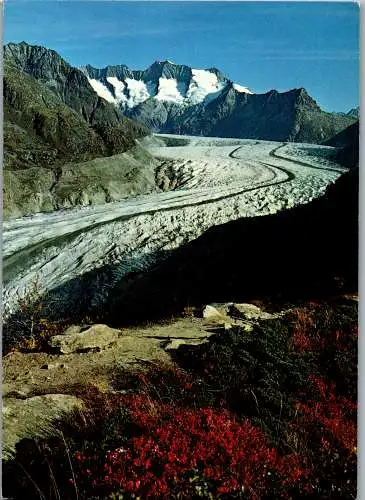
(307, 336)
(336, 414)
(182, 449)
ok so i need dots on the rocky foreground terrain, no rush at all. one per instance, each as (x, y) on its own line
(88, 407)
(94, 352)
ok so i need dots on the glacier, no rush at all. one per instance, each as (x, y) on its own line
(219, 180)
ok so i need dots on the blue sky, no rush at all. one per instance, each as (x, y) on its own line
(262, 45)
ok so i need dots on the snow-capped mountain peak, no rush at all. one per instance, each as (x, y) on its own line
(163, 81)
(242, 89)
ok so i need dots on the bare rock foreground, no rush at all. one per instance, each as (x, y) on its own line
(39, 387)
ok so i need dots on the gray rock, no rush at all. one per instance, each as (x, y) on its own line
(72, 329)
(33, 417)
(176, 343)
(210, 312)
(95, 337)
(216, 314)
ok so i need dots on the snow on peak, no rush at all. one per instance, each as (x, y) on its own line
(118, 88)
(137, 90)
(101, 90)
(169, 90)
(204, 86)
(129, 92)
(240, 88)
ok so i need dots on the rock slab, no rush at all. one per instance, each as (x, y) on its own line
(33, 417)
(75, 340)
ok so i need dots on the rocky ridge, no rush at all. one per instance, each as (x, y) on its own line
(63, 144)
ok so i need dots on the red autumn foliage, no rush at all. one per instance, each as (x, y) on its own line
(180, 444)
(308, 337)
(336, 414)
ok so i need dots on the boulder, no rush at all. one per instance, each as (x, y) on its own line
(215, 316)
(95, 337)
(33, 417)
(211, 312)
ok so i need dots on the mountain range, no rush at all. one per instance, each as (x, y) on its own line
(74, 113)
(62, 122)
(51, 104)
(174, 98)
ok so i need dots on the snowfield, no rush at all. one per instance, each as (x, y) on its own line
(203, 87)
(215, 181)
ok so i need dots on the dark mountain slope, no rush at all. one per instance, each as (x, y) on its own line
(59, 135)
(355, 112)
(58, 116)
(68, 83)
(345, 137)
(348, 140)
(287, 116)
(39, 127)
